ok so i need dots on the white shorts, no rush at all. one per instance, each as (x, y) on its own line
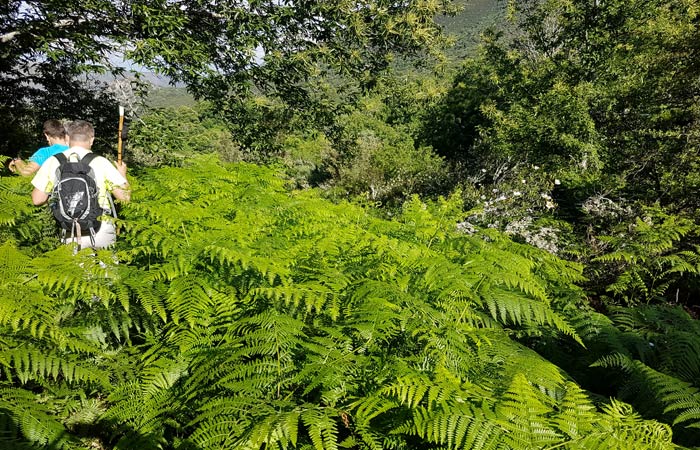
(105, 237)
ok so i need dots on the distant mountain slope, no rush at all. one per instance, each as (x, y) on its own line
(169, 96)
(468, 24)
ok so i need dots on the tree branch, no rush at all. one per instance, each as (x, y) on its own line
(60, 24)
(8, 36)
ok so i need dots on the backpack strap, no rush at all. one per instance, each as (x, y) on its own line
(87, 159)
(61, 158)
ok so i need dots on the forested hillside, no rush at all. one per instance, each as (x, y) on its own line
(328, 247)
(466, 25)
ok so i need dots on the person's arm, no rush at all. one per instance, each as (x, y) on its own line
(39, 197)
(43, 181)
(23, 168)
(122, 193)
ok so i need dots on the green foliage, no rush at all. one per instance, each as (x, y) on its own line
(646, 355)
(646, 258)
(365, 150)
(602, 97)
(306, 156)
(504, 107)
(288, 321)
(55, 330)
(261, 124)
(58, 57)
(221, 52)
(46, 50)
(665, 362)
(14, 205)
(379, 160)
(242, 314)
(168, 136)
(467, 24)
(22, 222)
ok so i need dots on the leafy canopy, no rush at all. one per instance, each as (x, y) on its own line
(223, 51)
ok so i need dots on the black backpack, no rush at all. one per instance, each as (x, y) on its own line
(75, 197)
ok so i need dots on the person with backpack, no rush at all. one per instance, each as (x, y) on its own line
(79, 184)
(55, 134)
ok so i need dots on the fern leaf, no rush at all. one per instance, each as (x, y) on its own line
(36, 422)
(576, 414)
(322, 428)
(462, 426)
(525, 416)
(679, 397)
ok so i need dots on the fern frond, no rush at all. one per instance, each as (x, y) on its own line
(80, 277)
(512, 307)
(462, 426)
(370, 407)
(278, 430)
(219, 428)
(576, 413)
(524, 416)
(35, 421)
(322, 427)
(618, 360)
(245, 259)
(31, 364)
(148, 293)
(14, 192)
(188, 298)
(414, 389)
(681, 399)
(14, 265)
(629, 426)
(143, 413)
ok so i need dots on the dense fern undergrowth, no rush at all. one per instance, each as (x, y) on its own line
(238, 313)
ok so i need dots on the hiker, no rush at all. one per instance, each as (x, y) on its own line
(55, 134)
(107, 178)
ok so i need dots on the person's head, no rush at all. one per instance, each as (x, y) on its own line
(80, 133)
(54, 131)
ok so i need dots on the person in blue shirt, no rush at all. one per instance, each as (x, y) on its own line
(55, 134)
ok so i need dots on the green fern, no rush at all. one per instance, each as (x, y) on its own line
(14, 192)
(242, 315)
(21, 413)
(680, 399)
(522, 414)
(649, 258)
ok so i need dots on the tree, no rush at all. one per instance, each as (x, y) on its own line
(223, 51)
(50, 55)
(601, 95)
(639, 57)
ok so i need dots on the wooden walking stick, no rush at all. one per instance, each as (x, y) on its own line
(119, 139)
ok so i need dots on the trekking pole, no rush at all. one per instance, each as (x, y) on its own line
(119, 138)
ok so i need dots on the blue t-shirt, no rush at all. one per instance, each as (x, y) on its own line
(40, 156)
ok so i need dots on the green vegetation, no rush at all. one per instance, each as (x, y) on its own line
(243, 314)
(164, 97)
(328, 249)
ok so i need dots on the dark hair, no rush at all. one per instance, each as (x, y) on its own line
(54, 128)
(80, 131)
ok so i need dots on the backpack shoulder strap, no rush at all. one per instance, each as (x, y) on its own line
(61, 158)
(87, 159)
